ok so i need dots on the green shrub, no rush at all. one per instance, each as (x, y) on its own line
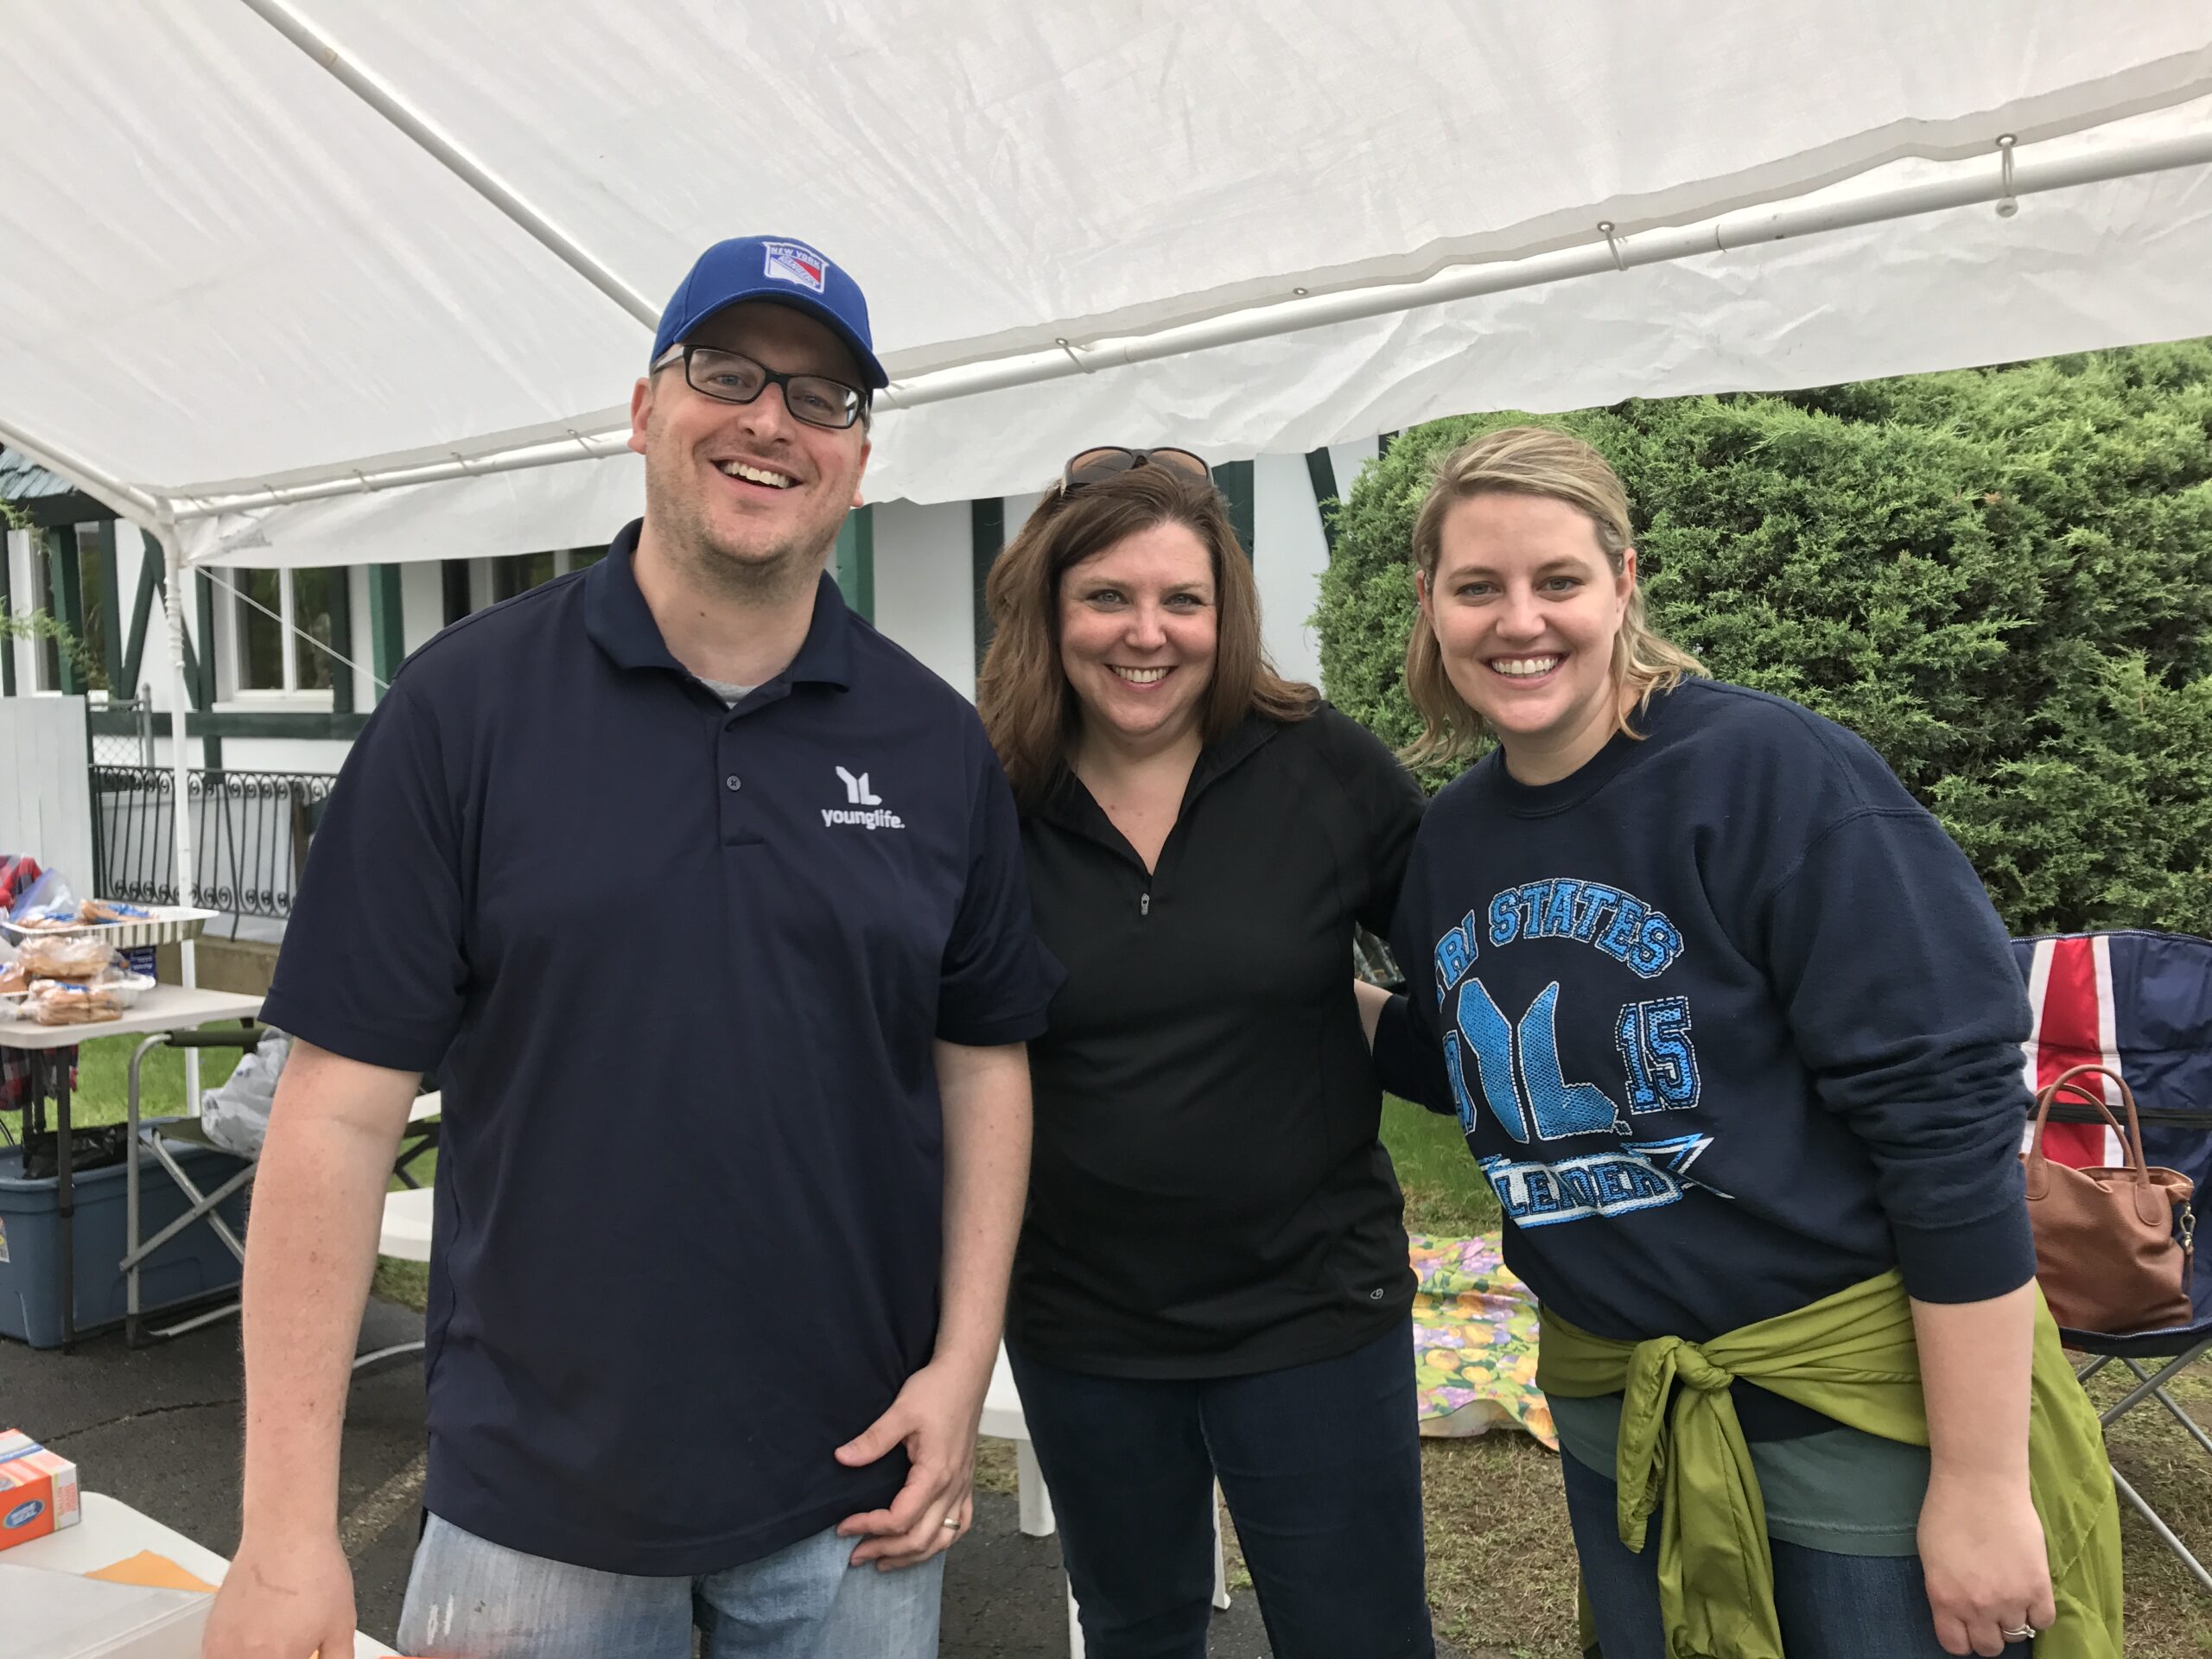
(2001, 578)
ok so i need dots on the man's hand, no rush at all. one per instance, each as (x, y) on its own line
(1982, 1548)
(934, 1417)
(283, 1601)
(986, 1097)
(317, 1202)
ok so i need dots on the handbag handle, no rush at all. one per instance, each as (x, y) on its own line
(2147, 1200)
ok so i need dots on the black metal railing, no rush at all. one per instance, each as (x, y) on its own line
(250, 835)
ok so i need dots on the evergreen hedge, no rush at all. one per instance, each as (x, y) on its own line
(2002, 578)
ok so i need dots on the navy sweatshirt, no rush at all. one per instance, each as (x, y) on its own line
(1727, 1020)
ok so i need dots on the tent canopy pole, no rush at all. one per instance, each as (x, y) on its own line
(136, 508)
(456, 160)
(2009, 176)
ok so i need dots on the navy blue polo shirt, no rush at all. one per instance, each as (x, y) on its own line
(679, 969)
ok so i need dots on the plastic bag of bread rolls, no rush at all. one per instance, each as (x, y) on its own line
(64, 956)
(70, 1003)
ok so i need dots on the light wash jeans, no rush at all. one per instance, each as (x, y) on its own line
(470, 1600)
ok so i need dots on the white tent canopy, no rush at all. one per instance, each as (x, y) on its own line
(266, 262)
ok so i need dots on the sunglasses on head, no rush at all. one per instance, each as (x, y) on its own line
(1111, 460)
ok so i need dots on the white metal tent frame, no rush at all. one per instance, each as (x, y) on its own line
(2014, 170)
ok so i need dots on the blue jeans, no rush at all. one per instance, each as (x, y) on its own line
(1321, 1467)
(470, 1600)
(1830, 1606)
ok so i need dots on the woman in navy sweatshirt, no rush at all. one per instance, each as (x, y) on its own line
(1731, 1026)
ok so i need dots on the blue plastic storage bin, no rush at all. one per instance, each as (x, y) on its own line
(194, 1263)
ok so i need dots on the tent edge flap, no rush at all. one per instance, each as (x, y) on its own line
(596, 435)
(2143, 89)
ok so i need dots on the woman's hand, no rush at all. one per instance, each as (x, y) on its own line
(1981, 1546)
(1372, 1000)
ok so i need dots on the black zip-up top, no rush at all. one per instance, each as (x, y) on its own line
(1209, 1196)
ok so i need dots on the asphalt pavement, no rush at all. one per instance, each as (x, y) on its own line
(159, 1428)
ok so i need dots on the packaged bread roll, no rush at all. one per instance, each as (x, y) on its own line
(110, 910)
(67, 1002)
(67, 957)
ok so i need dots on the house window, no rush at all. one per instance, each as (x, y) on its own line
(453, 576)
(274, 608)
(520, 573)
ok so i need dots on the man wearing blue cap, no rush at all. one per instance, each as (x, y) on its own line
(703, 903)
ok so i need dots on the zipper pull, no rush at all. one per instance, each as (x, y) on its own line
(1144, 904)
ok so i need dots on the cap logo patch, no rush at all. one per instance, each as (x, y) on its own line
(788, 262)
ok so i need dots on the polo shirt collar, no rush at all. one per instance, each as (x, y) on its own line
(621, 623)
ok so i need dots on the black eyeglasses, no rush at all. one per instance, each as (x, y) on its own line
(731, 378)
(1110, 461)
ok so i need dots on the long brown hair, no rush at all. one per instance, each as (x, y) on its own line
(1528, 461)
(1022, 692)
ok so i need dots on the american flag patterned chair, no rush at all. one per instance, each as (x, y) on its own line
(2139, 1003)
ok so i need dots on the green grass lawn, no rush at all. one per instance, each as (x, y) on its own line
(1500, 1563)
(103, 1081)
(1445, 1190)
(104, 1071)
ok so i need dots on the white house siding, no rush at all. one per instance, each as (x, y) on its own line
(924, 565)
(285, 753)
(924, 584)
(421, 603)
(1289, 554)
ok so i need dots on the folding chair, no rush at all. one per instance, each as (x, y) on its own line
(2141, 1004)
(420, 1136)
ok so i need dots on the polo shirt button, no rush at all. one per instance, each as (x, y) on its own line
(733, 782)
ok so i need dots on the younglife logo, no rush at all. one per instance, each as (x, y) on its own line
(858, 795)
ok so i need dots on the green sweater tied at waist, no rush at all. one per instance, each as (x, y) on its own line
(1852, 1357)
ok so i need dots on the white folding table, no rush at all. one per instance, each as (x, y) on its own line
(164, 1009)
(112, 1531)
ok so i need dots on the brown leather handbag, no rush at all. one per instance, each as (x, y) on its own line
(2107, 1253)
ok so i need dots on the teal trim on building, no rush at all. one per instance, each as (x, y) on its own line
(213, 728)
(1322, 471)
(67, 585)
(341, 639)
(203, 670)
(112, 619)
(1234, 480)
(387, 636)
(987, 540)
(855, 566)
(142, 617)
(7, 608)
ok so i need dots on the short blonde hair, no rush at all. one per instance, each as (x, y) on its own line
(1527, 461)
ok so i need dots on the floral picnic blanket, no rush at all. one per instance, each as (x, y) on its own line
(1474, 1342)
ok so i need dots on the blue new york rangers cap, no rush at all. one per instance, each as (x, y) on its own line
(774, 268)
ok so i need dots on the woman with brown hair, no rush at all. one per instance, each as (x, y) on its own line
(1212, 1281)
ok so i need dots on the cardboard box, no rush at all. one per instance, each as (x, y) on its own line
(38, 1490)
